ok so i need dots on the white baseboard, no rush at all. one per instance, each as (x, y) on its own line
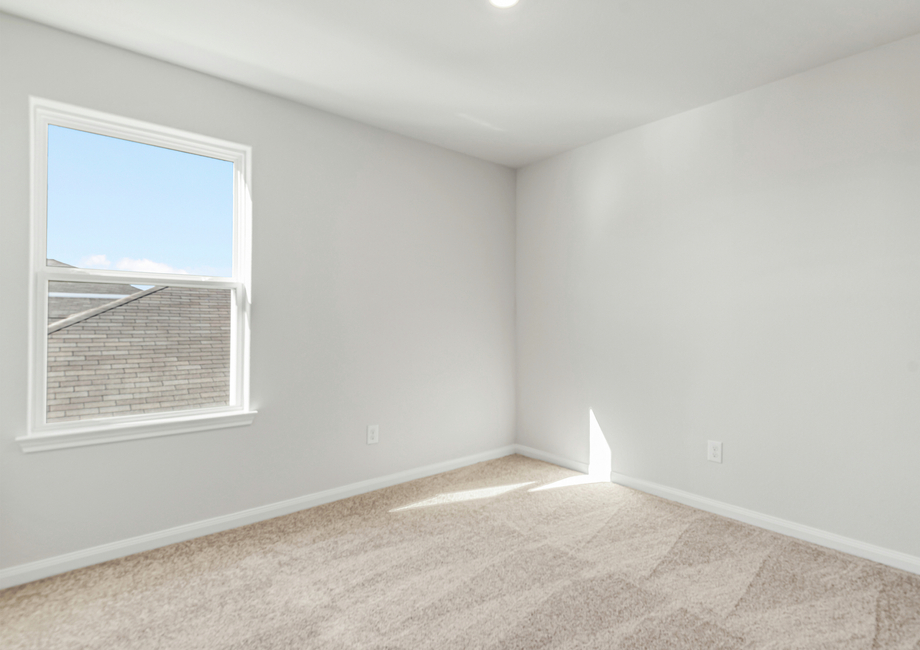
(24, 573)
(855, 547)
(536, 454)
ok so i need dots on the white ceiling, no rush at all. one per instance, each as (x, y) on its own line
(512, 86)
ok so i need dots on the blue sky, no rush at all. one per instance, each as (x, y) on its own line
(116, 204)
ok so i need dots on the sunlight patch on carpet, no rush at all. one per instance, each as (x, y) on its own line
(583, 479)
(466, 495)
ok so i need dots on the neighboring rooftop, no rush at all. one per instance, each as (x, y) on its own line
(68, 298)
(161, 349)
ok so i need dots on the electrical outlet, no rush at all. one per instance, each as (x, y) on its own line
(373, 434)
(714, 451)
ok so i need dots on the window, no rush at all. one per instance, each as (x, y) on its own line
(140, 280)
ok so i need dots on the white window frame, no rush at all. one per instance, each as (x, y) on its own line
(41, 435)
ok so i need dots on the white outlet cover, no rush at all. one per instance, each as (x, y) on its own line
(714, 451)
(373, 434)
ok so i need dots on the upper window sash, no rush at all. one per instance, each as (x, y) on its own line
(46, 113)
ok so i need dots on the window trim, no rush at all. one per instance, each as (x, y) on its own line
(42, 435)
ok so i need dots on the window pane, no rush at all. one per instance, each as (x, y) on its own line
(154, 350)
(117, 204)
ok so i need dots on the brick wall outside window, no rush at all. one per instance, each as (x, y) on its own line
(167, 350)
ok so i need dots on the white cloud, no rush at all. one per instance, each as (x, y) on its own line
(145, 265)
(95, 262)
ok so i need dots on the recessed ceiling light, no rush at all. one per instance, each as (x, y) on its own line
(503, 4)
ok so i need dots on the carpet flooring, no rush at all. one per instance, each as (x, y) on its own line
(507, 554)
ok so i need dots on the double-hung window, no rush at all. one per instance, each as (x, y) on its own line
(140, 270)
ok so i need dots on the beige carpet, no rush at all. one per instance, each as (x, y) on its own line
(482, 560)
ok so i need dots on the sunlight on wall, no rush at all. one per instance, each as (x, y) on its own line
(468, 495)
(599, 465)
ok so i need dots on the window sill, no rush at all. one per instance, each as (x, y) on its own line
(96, 432)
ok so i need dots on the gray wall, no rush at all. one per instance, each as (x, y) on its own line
(746, 272)
(383, 293)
